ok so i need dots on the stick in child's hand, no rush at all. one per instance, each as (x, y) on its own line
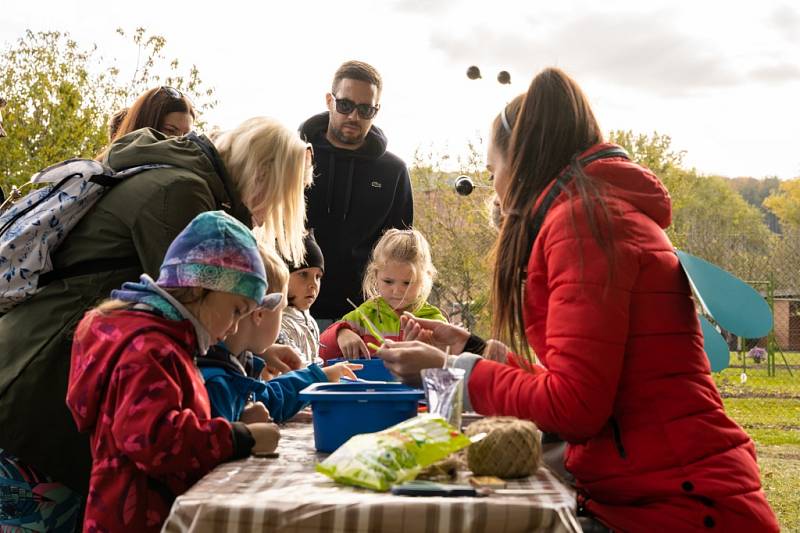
(367, 321)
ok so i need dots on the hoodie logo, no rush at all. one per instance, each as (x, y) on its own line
(377, 184)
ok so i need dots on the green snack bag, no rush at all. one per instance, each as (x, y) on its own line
(397, 454)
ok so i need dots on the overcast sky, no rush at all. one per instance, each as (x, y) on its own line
(721, 78)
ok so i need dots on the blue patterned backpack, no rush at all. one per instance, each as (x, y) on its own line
(36, 224)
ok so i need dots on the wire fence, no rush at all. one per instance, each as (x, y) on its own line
(761, 386)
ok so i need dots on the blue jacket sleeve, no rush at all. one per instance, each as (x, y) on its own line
(280, 394)
(224, 400)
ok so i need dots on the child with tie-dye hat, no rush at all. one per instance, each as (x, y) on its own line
(233, 370)
(133, 381)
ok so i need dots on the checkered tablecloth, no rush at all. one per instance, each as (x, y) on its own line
(286, 494)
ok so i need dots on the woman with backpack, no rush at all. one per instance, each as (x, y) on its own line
(164, 108)
(256, 172)
(585, 275)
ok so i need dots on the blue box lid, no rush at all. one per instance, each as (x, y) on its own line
(349, 392)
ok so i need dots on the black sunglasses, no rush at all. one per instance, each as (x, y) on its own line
(345, 107)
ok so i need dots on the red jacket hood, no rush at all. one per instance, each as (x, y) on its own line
(632, 183)
(99, 341)
(629, 182)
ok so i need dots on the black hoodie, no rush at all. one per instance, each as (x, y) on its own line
(356, 196)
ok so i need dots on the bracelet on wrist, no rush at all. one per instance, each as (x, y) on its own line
(475, 344)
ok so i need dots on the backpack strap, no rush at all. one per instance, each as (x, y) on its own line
(563, 179)
(94, 266)
(109, 179)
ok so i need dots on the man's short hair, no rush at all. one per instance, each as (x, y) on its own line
(357, 70)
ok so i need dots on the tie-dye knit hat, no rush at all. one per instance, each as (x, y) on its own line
(217, 252)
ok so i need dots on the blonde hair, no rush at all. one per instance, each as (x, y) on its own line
(275, 267)
(267, 163)
(407, 246)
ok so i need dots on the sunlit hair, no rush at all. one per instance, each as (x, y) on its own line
(275, 267)
(551, 125)
(407, 246)
(270, 167)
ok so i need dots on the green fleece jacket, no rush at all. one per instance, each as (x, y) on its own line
(382, 316)
(130, 229)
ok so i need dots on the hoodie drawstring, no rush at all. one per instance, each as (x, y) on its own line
(349, 190)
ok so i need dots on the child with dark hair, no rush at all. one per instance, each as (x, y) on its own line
(298, 328)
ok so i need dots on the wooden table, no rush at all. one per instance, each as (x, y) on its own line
(286, 494)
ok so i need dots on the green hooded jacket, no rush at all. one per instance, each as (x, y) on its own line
(126, 232)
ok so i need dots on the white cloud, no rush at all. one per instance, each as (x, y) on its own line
(719, 78)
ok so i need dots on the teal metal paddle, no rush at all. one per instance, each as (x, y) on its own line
(715, 346)
(732, 303)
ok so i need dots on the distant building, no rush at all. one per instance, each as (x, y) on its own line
(787, 320)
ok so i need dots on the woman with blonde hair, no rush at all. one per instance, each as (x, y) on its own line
(255, 172)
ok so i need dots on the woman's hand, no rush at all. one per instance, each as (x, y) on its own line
(335, 372)
(255, 412)
(351, 345)
(281, 359)
(266, 437)
(439, 334)
(495, 351)
(406, 359)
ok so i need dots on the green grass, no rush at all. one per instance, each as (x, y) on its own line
(780, 476)
(778, 413)
(768, 408)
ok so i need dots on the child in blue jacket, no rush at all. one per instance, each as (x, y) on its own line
(232, 372)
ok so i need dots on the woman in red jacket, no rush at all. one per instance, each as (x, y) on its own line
(585, 275)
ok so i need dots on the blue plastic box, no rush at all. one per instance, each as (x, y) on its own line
(341, 410)
(374, 369)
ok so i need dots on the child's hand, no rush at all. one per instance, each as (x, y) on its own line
(266, 437)
(281, 359)
(337, 371)
(255, 412)
(351, 344)
(406, 359)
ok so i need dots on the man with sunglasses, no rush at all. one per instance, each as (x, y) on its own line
(360, 189)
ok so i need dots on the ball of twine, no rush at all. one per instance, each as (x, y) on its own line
(512, 447)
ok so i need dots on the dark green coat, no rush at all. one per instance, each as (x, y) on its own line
(133, 224)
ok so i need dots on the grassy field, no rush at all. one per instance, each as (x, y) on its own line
(768, 408)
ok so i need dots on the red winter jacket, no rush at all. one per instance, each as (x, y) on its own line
(625, 380)
(134, 385)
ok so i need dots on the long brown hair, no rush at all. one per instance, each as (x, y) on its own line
(149, 110)
(550, 125)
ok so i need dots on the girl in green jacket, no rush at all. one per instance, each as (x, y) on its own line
(398, 279)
